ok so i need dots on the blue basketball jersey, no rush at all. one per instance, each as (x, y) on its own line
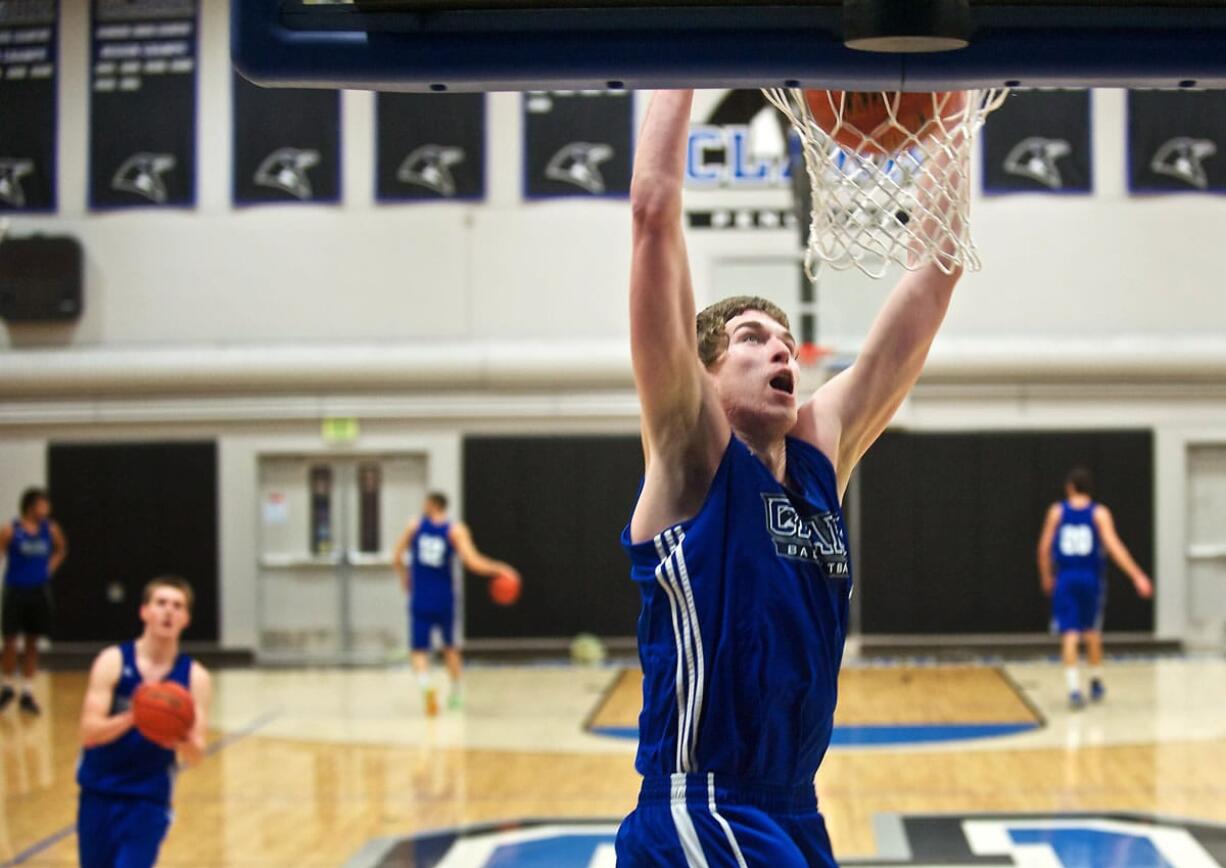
(741, 632)
(1077, 547)
(433, 555)
(27, 562)
(132, 766)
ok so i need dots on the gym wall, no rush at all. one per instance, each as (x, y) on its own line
(130, 512)
(554, 508)
(949, 526)
(435, 322)
(1076, 268)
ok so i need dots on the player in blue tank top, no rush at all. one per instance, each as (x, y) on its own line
(33, 548)
(737, 540)
(126, 780)
(1076, 535)
(424, 558)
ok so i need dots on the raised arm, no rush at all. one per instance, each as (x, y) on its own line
(683, 428)
(847, 415)
(98, 725)
(1119, 552)
(1048, 534)
(398, 552)
(474, 561)
(59, 548)
(191, 749)
(862, 399)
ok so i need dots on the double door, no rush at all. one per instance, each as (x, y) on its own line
(327, 588)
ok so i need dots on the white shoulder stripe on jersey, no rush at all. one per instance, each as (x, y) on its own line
(686, 833)
(699, 679)
(732, 842)
(674, 605)
(688, 628)
(673, 576)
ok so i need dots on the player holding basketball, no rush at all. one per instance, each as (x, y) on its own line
(1076, 534)
(125, 778)
(737, 541)
(433, 540)
(33, 547)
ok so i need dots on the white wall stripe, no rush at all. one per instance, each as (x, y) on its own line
(732, 842)
(688, 835)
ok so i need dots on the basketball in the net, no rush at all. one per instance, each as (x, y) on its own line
(164, 712)
(504, 589)
(876, 122)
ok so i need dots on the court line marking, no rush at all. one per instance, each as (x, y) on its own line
(210, 750)
(474, 843)
(589, 723)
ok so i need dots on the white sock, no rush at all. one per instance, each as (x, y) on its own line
(27, 686)
(1096, 673)
(9, 681)
(1071, 680)
(423, 680)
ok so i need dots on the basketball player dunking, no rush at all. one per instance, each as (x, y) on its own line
(126, 779)
(1076, 534)
(432, 541)
(737, 541)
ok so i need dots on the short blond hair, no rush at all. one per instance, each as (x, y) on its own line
(711, 322)
(179, 584)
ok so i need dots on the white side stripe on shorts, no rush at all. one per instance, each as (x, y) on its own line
(686, 833)
(736, 848)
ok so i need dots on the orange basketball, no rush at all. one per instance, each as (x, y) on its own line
(164, 712)
(876, 122)
(505, 588)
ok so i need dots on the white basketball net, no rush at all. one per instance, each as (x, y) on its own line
(899, 197)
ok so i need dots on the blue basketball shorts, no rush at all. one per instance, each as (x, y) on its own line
(699, 821)
(1077, 603)
(119, 832)
(421, 623)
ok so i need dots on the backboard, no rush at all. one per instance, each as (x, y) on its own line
(470, 45)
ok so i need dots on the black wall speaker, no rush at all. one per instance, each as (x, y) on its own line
(40, 279)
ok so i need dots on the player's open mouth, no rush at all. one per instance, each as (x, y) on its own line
(783, 383)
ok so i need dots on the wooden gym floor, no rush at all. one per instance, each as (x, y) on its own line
(308, 767)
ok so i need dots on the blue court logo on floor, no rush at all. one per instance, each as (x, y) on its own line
(936, 841)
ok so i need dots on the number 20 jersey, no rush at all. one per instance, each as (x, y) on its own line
(1077, 547)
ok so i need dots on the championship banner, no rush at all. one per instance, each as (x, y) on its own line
(287, 144)
(1039, 142)
(429, 146)
(1177, 141)
(578, 143)
(142, 124)
(739, 171)
(28, 32)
